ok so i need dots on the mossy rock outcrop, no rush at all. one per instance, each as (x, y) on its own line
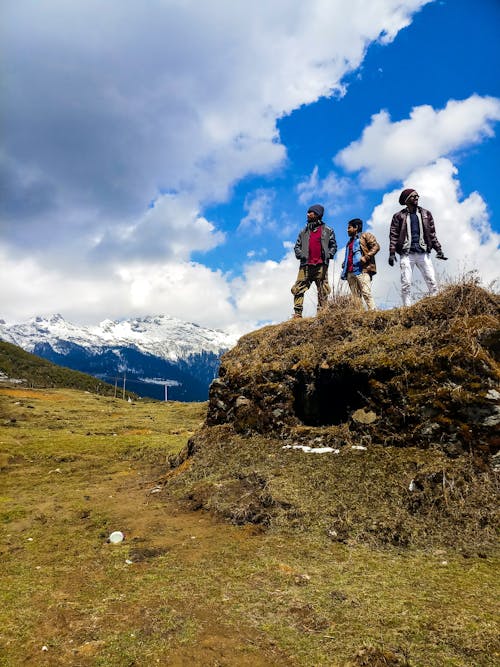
(375, 427)
(419, 376)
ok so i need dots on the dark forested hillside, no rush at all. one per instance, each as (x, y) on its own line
(32, 371)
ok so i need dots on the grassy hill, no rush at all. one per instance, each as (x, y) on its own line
(34, 371)
(184, 588)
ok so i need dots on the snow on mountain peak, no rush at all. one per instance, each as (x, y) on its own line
(162, 336)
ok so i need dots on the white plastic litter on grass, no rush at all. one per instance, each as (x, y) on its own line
(360, 447)
(312, 450)
(116, 537)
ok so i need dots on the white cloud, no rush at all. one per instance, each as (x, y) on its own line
(185, 290)
(328, 189)
(183, 97)
(35, 289)
(263, 292)
(170, 230)
(462, 227)
(108, 107)
(259, 208)
(193, 292)
(390, 151)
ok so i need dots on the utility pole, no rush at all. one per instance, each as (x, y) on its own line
(166, 392)
(124, 380)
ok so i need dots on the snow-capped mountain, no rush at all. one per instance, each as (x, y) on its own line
(149, 351)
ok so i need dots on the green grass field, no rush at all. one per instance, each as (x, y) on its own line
(185, 588)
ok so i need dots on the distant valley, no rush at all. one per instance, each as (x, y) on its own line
(150, 356)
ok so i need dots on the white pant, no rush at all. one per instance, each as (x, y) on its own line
(423, 261)
(361, 287)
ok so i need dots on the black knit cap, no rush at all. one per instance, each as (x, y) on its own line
(318, 209)
(405, 195)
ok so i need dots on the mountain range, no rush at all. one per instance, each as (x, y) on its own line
(154, 356)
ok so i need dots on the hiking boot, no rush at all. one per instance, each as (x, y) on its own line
(297, 316)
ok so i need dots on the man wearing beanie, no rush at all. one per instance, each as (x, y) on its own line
(315, 247)
(413, 236)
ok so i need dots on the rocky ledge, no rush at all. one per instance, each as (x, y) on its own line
(419, 376)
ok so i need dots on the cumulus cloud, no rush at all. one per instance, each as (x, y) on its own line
(108, 107)
(181, 98)
(329, 188)
(186, 290)
(170, 230)
(462, 226)
(35, 289)
(259, 211)
(262, 293)
(389, 151)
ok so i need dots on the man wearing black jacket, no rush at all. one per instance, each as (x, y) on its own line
(314, 248)
(413, 236)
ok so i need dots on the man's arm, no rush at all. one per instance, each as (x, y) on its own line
(372, 244)
(393, 238)
(394, 233)
(298, 246)
(432, 236)
(332, 245)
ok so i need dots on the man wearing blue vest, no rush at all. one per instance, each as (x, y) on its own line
(359, 266)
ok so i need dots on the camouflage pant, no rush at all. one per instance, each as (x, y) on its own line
(309, 274)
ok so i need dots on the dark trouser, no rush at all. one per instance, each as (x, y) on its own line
(309, 274)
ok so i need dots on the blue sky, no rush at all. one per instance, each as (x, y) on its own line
(159, 159)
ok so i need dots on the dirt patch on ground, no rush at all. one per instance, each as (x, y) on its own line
(40, 394)
(107, 601)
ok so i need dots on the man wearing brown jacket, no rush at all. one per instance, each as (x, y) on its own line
(359, 265)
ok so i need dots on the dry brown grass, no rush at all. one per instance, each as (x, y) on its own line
(380, 496)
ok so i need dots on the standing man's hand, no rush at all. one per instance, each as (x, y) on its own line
(392, 260)
(440, 255)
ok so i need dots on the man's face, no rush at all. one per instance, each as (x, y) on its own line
(413, 200)
(312, 216)
(352, 230)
